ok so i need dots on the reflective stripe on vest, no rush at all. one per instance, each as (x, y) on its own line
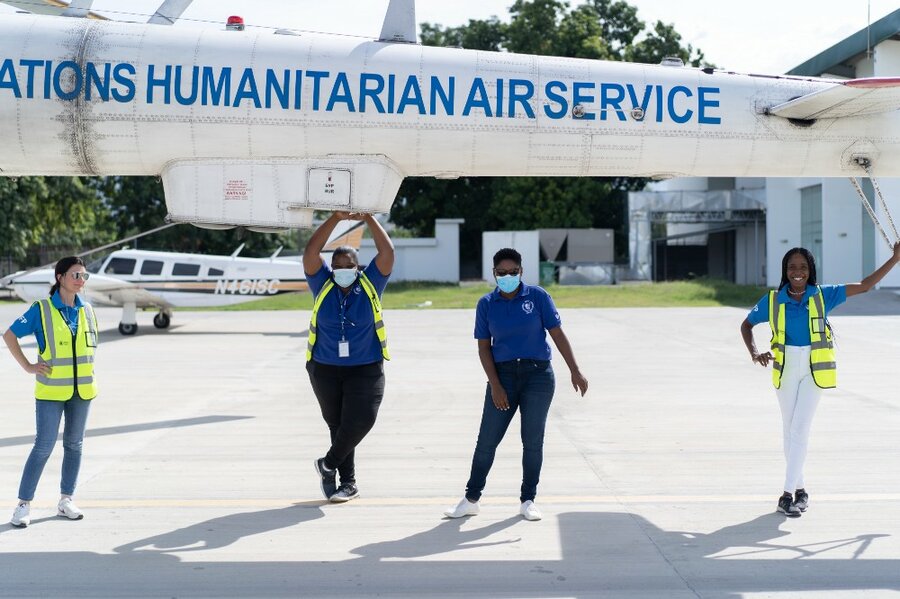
(371, 293)
(822, 362)
(69, 366)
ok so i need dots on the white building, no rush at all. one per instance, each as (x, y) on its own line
(824, 215)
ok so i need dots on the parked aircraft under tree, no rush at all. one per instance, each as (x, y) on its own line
(260, 128)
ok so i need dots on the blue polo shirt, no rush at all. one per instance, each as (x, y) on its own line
(30, 322)
(796, 312)
(517, 327)
(359, 321)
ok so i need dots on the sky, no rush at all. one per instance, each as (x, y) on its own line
(756, 36)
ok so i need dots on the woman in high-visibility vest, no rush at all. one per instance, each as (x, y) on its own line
(802, 354)
(511, 326)
(347, 346)
(66, 332)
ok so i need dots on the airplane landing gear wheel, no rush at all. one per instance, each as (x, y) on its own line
(127, 329)
(161, 321)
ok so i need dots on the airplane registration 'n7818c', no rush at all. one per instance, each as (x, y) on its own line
(258, 128)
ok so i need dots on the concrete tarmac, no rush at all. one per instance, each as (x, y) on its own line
(197, 479)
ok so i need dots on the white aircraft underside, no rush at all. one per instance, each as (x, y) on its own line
(260, 128)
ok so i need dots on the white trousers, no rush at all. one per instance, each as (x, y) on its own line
(798, 398)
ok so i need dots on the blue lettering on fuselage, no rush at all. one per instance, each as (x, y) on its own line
(340, 92)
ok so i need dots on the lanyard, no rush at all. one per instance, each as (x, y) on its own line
(344, 302)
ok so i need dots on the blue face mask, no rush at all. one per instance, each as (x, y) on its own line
(344, 277)
(508, 283)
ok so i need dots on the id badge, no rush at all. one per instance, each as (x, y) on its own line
(344, 349)
(818, 325)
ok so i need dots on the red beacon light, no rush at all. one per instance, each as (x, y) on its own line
(235, 23)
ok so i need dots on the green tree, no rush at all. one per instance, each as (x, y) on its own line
(595, 29)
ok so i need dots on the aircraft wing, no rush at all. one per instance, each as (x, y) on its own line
(111, 291)
(57, 8)
(854, 97)
(100, 289)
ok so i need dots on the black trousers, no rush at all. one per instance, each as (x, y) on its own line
(349, 397)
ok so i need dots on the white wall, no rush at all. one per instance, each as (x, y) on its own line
(424, 259)
(525, 242)
(887, 59)
(782, 222)
(748, 243)
(841, 233)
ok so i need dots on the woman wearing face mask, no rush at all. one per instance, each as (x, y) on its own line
(511, 324)
(66, 332)
(347, 346)
(802, 356)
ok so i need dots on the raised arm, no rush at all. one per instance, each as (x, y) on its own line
(312, 259)
(565, 349)
(875, 277)
(383, 245)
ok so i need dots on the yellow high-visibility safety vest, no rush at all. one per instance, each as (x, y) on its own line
(371, 293)
(822, 362)
(71, 358)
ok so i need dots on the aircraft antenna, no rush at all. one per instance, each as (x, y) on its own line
(869, 29)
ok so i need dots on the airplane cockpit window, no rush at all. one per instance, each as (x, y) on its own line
(215, 272)
(120, 266)
(185, 270)
(151, 267)
(94, 267)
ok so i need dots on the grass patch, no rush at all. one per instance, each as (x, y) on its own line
(696, 293)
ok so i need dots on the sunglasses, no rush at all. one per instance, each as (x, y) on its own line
(503, 273)
(84, 276)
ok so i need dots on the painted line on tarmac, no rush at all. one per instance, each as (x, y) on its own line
(176, 502)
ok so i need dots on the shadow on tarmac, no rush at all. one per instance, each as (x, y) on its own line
(603, 554)
(132, 428)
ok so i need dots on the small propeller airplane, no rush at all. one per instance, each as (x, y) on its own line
(146, 279)
(259, 128)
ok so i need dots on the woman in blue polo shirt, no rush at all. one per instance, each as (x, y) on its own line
(66, 332)
(802, 355)
(511, 325)
(347, 346)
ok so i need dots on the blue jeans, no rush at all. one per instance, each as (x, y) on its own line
(48, 415)
(529, 386)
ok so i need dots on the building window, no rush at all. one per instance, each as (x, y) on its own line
(185, 270)
(120, 266)
(811, 224)
(151, 267)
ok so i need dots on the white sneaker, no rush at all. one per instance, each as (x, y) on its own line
(68, 509)
(21, 516)
(530, 511)
(462, 509)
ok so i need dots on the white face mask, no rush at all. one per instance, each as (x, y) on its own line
(344, 277)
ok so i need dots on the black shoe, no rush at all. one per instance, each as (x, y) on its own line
(786, 506)
(801, 500)
(329, 486)
(345, 492)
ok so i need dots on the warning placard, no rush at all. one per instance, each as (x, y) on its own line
(237, 189)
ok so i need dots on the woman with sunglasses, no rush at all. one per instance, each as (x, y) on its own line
(511, 325)
(65, 328)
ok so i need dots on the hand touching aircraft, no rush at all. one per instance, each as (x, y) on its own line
(259, 128)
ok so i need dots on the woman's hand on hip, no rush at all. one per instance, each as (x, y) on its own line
(498, 395)
(762, 359)
(41, 368)
(579, 382)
